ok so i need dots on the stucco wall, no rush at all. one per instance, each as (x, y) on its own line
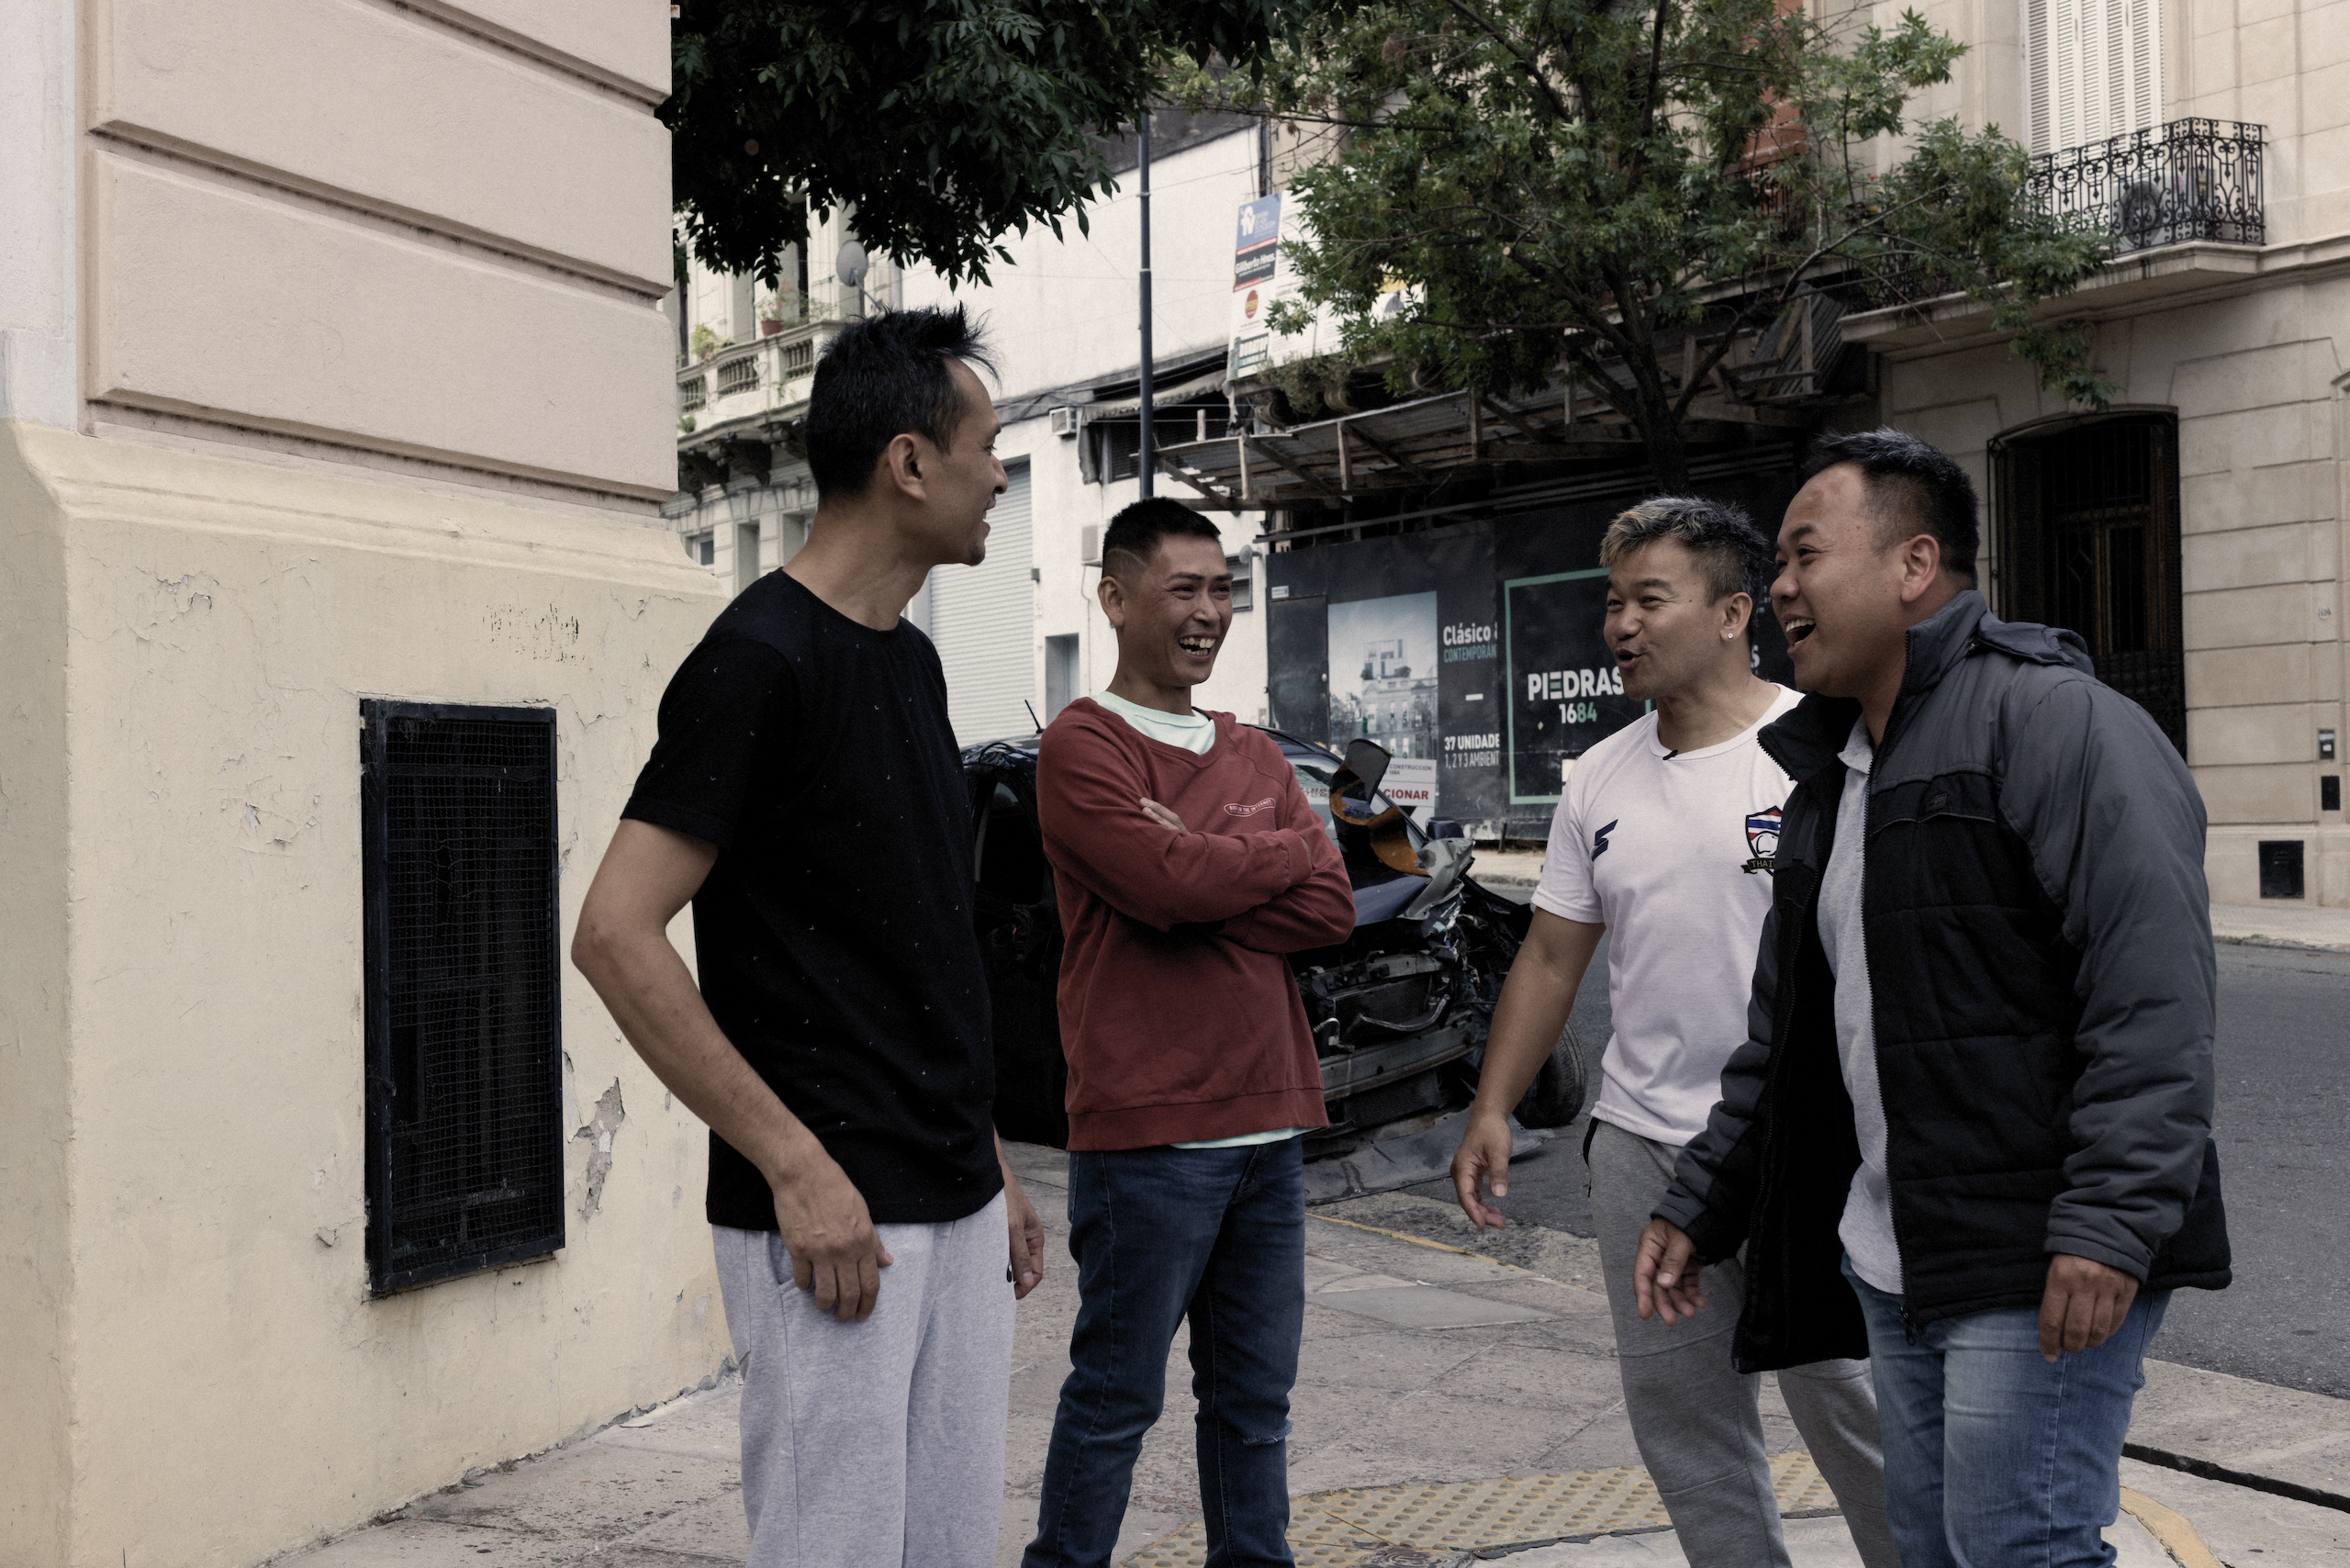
(2257, 383)
(426, 237)
(330, 368)
(199, 1174)
(36, 1272)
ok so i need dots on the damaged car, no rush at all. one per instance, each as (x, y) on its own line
(1400, 1010)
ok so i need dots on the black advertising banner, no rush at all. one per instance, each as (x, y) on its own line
(1565, 694)
(1476, 653)
(1406, 635)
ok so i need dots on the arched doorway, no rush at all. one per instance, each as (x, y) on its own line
(2087, 537)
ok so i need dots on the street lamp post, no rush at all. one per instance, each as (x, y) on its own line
(1147, 458)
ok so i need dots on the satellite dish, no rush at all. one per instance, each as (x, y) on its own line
(849, 265)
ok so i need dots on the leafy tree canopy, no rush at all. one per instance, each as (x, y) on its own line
(942, 124)
(1590, 182)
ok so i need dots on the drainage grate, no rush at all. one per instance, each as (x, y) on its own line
(1438, 1522)
(464, 1139)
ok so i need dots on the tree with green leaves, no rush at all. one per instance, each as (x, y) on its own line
(942, 124)
(1633, 191)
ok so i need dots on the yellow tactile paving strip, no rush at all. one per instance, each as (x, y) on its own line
(1340, 1530)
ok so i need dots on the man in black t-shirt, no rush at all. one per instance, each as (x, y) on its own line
(806, 796)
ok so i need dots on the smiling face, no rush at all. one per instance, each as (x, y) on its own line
(961, 481)
(1665, 628)
(1844, 594)
(1171, 613)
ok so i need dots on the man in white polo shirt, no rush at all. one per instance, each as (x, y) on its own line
(1664, 834)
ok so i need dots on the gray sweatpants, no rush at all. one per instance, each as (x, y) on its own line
(880, 1441)
(1696, 1419)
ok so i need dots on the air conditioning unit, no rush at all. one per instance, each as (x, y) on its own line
(1066, 421)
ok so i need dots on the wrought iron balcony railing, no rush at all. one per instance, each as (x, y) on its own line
(2192, 179)
(2189, 180)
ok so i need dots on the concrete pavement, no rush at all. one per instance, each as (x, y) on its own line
(1432, 1380)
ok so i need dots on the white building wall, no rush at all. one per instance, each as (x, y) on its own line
(1064, 312)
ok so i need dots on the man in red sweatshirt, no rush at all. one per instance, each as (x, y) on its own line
(1187, 864)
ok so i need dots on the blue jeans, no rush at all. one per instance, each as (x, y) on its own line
(1993, 1456)
(1159, 1234)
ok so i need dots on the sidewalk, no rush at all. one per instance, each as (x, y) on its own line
(2279, 924)
(1449, 1408)
(2282, 925)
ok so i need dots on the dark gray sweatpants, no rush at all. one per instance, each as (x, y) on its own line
(879, 1442)
(1696, 1419)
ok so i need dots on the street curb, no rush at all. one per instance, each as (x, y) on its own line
(2171, 1530)
(2286, 942)
(2250, 1481)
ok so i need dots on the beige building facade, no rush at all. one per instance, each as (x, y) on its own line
(2195, 532)
(335, 419)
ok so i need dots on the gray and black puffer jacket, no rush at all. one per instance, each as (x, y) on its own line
(2039, 943)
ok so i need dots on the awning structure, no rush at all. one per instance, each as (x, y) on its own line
(1401, 447)
(1769, 379)
(1161, 397)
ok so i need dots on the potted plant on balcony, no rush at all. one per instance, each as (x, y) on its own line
(706, 341)
(771, 316)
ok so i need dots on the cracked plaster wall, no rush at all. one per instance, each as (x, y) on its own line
(186, 642)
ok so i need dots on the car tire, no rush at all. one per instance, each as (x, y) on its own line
(1555, 1097)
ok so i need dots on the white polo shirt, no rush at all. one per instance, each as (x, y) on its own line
(1668, 849)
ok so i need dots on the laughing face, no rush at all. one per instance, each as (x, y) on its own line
(1172, 618)
(1665, 627)
(1840, 593)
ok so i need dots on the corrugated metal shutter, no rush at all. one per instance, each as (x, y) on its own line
(983, 618)
(2093, 70)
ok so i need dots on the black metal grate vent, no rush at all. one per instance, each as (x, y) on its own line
(464, 1051)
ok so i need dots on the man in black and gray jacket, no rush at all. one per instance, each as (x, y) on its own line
(1969, 1133)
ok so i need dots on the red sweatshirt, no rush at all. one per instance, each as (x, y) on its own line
(1179, 1016)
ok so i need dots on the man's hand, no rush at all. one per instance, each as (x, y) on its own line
(1666, 1274)
(2085, 1303)
(835, 1251)
(1162, 817)
(1483, 1155)
(1027, 1232)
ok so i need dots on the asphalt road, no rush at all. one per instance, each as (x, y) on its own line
(2284, 1071)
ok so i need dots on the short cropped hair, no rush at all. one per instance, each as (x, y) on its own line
(1913, 488)
(880, 379)
(1133, 536)
(1732, 550)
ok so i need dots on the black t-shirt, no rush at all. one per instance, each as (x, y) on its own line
(833, 935)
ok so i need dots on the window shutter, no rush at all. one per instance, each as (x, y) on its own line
(2093, 70)
(2145, 64)
(2039, 103)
